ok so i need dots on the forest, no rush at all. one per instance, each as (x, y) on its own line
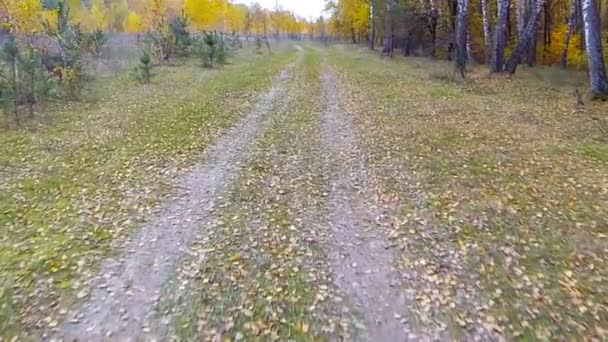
(389, 170)
(501, 34)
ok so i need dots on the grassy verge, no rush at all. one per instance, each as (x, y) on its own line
(261, 274)
(72, 188)
(515, 178)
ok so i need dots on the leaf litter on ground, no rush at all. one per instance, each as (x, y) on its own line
(72, 190)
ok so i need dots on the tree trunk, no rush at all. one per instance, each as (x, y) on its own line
(453, 13)
(461, 36)
(498, 51)
(605, 20)
(15, 89)
(434, 17)
(531, 58)
(390, 27)
(487, 39)
(372, 25)
(407, 47)
(469, 46)
(571, 24)
(509, 28)
(31, 101)
(524, 43)
(593, 44)
(548, 22)
(521, 17)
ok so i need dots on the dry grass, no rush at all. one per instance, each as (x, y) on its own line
(74, 184)
(514, 174)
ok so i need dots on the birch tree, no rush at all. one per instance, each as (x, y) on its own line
(487, 35)
(571, 24)
(500, 37)
(593, 45)
(461, 36)
(525, 41)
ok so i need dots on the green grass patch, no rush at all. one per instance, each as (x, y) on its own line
(78, 184)
(523, 214)
(595, 151)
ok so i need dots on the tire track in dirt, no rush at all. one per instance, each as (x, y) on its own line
(362, 264)
(121, 304)
(442, 296)
(263, 274)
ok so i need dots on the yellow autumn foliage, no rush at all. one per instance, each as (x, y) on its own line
(29, 16)
(133, 23)
(23, 16)
(576, 57)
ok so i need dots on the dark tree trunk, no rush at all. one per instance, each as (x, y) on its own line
(531, 58)
(372, 25)
(389, 44)
(498, 51)
(434, 17)
(571, 23)
(531, 53)
(548, 22)
(407, 46)
(524, 43)
(509, 28)
(605, 20)
(461, 36)
(593, 44)
(487, 38)
(353, 35)
(453, 12)
(521, 17)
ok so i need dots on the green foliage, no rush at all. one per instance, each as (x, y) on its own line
(24, 79)
(10, 56)
(444, 76)
(182, 38)
(213, 50)
(222, 52)
(74, 45)
(96, 41)
(258, 46)
(234, 42)
(143, 71)
(259, 43)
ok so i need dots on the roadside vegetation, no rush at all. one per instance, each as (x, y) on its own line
(470, 190)
(508, 177)
(75, 186)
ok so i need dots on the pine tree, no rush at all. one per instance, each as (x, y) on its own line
(143, 71)
(209, 48)
(179, 29)
(11, 55)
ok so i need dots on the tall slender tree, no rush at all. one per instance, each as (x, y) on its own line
(524, 43)
(487, 35)
(389, 35)
(500, 38)
(372, 24)
(531, 48)
(433, 19)
(593, 44)
(521, 17)
(571, 25)
(461, 36)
